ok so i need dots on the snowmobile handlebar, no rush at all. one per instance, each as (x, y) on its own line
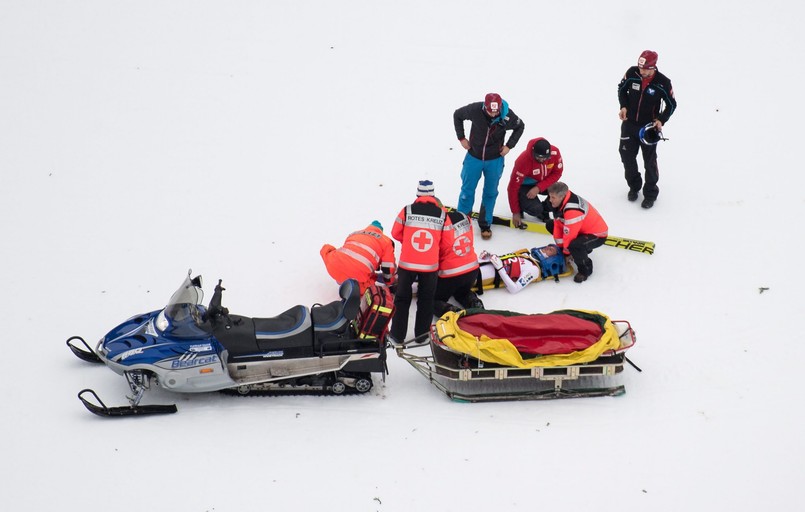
(216, 309)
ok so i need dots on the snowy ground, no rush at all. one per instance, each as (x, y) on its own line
(138, 139)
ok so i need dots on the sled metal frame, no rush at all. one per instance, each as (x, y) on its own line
(446, 378)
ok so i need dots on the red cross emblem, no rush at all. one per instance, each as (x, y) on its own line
(421, 240)
(462, 245)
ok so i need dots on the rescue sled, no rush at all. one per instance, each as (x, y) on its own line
(187, 348)
(483, 355)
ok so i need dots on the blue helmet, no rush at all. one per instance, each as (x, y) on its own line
(551, 266)
(650, 135)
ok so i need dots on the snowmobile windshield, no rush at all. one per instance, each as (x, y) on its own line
(183, 316)
(189, 293)
(183, 321)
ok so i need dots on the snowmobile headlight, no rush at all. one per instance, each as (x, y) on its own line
(161, 322)
(101, 346)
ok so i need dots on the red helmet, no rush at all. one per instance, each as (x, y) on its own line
(647, 60)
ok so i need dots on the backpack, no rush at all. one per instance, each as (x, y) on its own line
(377, 306)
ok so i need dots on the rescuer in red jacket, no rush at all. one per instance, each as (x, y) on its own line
(577, 227)
(458, 266)
(418, 227)
(364, 253)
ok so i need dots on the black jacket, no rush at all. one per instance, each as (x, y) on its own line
(487, 134)
(644, 106)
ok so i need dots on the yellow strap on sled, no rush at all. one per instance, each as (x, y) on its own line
(501, 351)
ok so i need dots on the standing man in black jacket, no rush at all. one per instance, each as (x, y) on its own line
(490, 119)
(647, 102)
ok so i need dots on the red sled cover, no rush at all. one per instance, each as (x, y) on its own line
(377, 306)
(554, 333)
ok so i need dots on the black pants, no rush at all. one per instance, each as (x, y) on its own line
(538, 207)
(402, 302)
(580, 248)
(629, 146)
(459, 287)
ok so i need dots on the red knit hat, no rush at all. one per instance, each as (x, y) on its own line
(647, 60)
(493, 102)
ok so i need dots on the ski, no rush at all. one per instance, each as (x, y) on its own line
(629, 244)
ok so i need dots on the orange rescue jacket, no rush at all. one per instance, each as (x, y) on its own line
(458, 241)
(419, 228)
(363, 253)
(577, 217)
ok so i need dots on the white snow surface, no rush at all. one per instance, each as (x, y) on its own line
(140, 139)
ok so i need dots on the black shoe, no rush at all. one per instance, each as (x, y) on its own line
(580, 278)
(486, 233)
(419, 340)
(632, 195)
(647, 203)
(475, 303)
(445, 308)
(470, 301)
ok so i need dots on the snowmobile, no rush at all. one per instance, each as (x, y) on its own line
(187, 348)
(485, 355)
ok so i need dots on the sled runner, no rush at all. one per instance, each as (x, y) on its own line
(484, 355)
(187, 348)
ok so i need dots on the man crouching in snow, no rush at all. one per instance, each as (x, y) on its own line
(577, 227)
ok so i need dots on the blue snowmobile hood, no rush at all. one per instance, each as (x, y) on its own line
(155, 336)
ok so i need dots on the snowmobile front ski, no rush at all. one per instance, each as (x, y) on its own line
(131, 410)
(629, 244)
(85, 354)
(139, 381)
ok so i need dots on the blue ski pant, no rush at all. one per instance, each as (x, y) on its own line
(471, 173)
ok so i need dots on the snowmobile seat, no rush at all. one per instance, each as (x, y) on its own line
(337, 314)
(288, 329)
(237, 335)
